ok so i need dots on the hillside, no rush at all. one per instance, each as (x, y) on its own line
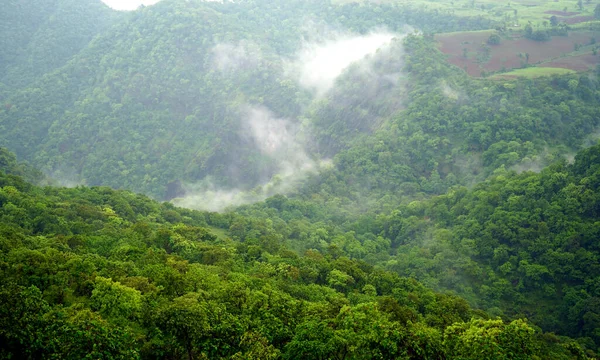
(109, 274)
(517, 245)
(343, 180)
(162, 97)
(38, 37)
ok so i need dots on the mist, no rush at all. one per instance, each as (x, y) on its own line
(335, 58)
(277, 139)
(128, 5)
(319, 64)
(229, 58)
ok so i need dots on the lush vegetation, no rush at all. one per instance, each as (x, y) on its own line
(144, 106)
(444, 217)
(38, 37)
(455, 130)
(97, 273)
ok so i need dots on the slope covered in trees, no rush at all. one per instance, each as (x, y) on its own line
(40, 36)
(150, 100)
(517, 244)
(417, 232)
(162, 98)
(454, 130)
(99, 273)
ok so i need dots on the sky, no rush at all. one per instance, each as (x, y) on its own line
(128, 4)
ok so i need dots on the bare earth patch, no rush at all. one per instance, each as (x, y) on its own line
(511, 53)
(576, 19)
(578, 63)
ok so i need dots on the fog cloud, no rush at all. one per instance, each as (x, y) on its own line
(64, 177)
(367, 68)
(319, 63)
(128, 5)
(275, 138)
(229, 58)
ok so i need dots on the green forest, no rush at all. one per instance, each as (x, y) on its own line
(299, 179)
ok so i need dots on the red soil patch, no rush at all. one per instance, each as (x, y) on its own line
(576, 19)
(506, 55)
(577, 63)
(561, 13)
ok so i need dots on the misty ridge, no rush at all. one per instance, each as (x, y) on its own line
(337, 69)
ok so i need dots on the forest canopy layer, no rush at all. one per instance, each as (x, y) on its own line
(356, 194)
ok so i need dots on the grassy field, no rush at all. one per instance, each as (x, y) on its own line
(532, 72)
(469, 51)
(514, 14)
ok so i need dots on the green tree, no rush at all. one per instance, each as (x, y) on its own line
(114, 300)
(186, 320)
(494, 39)
(490, 339)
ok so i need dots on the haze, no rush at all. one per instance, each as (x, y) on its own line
(322, 63)
(128, 5)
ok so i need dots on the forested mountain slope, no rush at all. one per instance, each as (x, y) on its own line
(518, 244)
(455, 130)
(93, 272)
(10, 166)
(409, 225)
(37, 37)
(525, 244)
(160, 97)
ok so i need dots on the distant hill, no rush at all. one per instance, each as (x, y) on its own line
(37, 37)
(381, 154)
(148, 103)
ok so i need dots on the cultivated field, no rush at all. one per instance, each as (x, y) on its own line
(578, 62)
(512, 13)
(470, 51)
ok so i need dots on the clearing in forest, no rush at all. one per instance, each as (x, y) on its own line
(532, 72)
(514, 13)
(581, 62)
(471, 51)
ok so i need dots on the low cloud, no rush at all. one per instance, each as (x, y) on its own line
(128, 5)
(275, 138)
(367, 68)
(63, 177)
(228, 58)
(320, 63)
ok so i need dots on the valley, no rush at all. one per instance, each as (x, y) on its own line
(300, 179)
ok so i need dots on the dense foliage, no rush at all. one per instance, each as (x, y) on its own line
(419, 232)
(97, 273)
(517, 244)
(38, 37)
(144, 104)
(455, 130)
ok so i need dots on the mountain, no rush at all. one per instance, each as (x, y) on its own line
(110, 274)
(161, 97)
(38, 37)
(10, 166)
(374, 199)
